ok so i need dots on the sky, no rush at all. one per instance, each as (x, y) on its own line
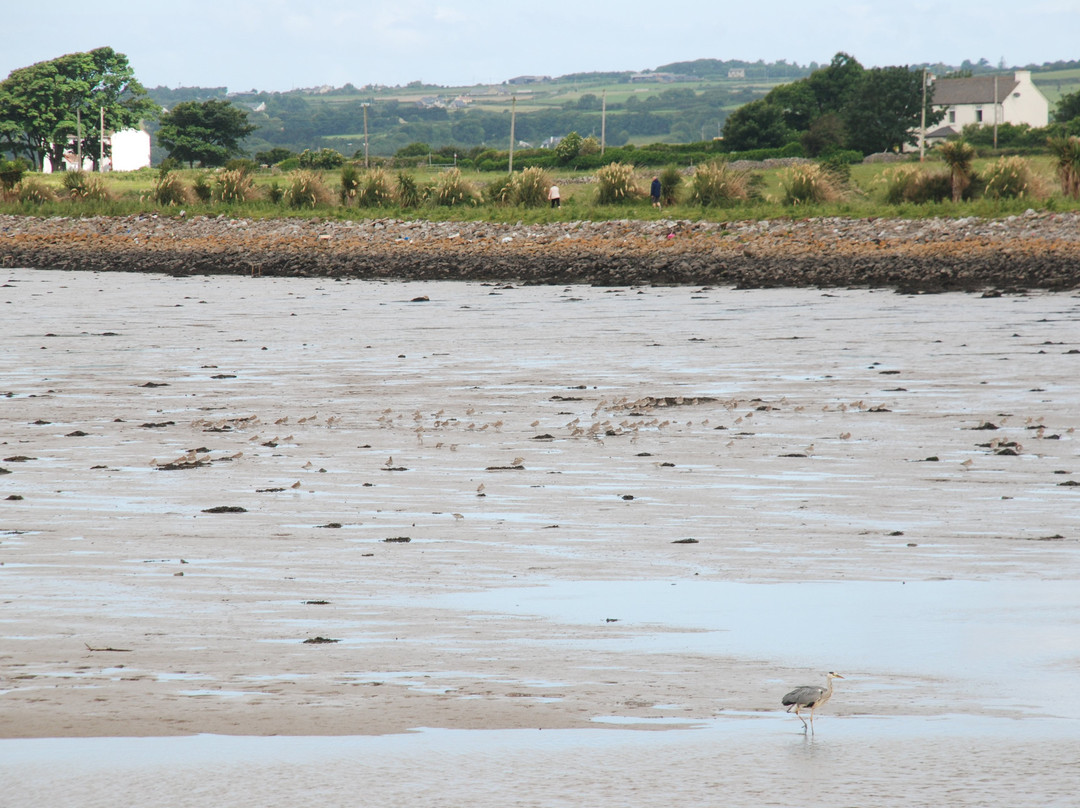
(279, 45)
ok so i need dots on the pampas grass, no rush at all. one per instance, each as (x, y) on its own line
(617, 184)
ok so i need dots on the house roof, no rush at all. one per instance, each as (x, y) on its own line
(974, 90)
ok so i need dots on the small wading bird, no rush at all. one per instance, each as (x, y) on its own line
(811, 696)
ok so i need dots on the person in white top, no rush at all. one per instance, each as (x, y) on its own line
(553, 195)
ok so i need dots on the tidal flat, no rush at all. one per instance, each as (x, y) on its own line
(534, 545)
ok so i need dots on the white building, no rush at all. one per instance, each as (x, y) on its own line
(986, 100)
(130, 152)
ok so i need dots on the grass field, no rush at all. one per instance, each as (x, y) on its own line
(862, 196)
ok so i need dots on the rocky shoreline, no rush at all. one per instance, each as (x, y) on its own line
(1037, 250)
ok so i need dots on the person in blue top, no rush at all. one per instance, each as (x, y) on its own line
(654, 192)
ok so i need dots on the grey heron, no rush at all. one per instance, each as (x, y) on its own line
(812, 696)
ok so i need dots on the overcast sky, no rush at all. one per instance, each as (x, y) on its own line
(286, 44)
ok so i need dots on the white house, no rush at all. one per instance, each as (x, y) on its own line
(130, 152)
(986, 100)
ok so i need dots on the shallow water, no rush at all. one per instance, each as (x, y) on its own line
(751, 760)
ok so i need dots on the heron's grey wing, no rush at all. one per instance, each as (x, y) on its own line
(804, 695)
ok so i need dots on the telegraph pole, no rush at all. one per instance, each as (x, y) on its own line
(603, 121)
(101, 144)
(366, 163)
(513, 112)
(922, 126)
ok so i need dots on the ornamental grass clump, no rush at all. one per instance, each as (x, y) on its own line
(451, 189)
(670, 186)
(500, 191)
(616, 184)
(34, 192)
(717, 184)
(530, 187)
(350, 183)
(233, 186)
(376, 189)
(1010, 178)
(407, 191)
(306, 190)
(168, 190)
(81, 186)
(809, 184)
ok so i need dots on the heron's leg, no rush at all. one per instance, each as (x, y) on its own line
(799, 716)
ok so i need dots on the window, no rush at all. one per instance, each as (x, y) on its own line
(952, 116)
(978, 115)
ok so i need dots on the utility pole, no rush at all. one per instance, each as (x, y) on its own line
(995, 111)
(513, 113)
(603, 121)
(922, 125)
(366, 163)
(101, 143)
(78, 135)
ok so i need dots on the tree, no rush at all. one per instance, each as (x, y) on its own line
(1068, 108)
(208, 131)
(757, 125)
(833, 85)
(568, 148)
(883, 112)
(45, 105)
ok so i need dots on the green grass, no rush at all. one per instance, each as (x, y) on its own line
(863, 198)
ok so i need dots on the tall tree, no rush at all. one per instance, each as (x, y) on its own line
(208, 132)
(883, 112)
(757, 125)
(41, 105)
(1068, 108)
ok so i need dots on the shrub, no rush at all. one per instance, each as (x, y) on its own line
(11, 173)
(375, 189)
(590, 145)
(306, 190)
(82, 186)
(567, 148)
(929, 187)
(274, 192)
(452, 189)
(617, 184)
(169, 190)
(323, 159)
(896, 182)
(201, 186)
(408, 194)
(34, 192)
(670, 186)
(717, 183)
(1010, 178)
(233, 186)
(1066, 153)
(242, 164)
(350, 183)
(808, 184)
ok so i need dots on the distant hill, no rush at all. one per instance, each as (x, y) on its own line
(680, 102)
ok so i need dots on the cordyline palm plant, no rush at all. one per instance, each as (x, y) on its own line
(1066, 151)
(958, 156)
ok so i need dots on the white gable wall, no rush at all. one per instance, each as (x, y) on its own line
(1026, 103)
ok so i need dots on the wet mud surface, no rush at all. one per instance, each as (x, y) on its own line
(241, 506)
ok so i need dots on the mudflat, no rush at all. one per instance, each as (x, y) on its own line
(236, 506)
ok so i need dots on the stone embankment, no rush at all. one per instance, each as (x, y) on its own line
(1037, 250)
